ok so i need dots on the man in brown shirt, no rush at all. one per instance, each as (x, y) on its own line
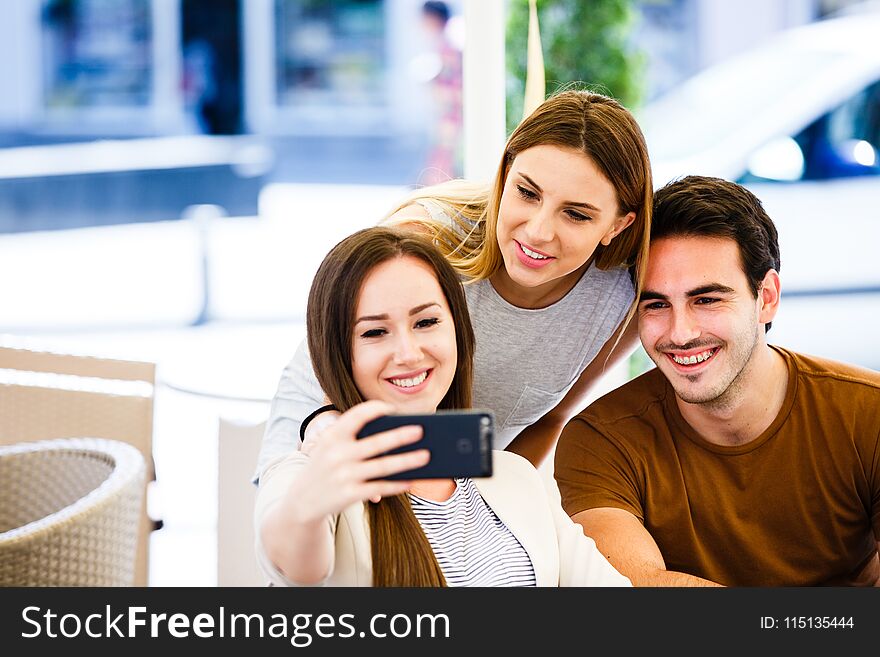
(734, 462)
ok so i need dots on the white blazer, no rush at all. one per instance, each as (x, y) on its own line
(560, 552)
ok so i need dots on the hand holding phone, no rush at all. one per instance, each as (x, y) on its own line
(341, 469)
(460, 443)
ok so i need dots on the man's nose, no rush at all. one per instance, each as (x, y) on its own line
(684, 327)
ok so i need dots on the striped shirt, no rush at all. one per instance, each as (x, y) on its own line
(472, 545)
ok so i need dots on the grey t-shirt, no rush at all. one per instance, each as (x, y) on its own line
(525, 361)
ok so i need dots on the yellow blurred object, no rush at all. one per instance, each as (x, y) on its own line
(535, 83)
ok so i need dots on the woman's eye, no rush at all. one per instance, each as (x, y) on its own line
(425, 323)
(577, 216)
(373, 333)
(526, 193)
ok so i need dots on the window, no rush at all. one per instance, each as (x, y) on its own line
(330, 53)
(97, 53)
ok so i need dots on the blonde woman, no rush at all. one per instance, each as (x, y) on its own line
(552, 255)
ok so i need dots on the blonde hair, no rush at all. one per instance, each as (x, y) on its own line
(466, 203)
(588, 122)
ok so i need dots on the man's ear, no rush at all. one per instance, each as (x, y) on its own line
(768, 297)
(619, 226)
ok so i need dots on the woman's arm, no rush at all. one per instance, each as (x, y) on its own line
(298, 394)
(277, 484)
(535, 442)
(301, 496)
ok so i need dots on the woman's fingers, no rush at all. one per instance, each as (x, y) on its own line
(384, 466)
(350, 469)
(380, 443)
(344, 428)
(354, 419)
(373, 488)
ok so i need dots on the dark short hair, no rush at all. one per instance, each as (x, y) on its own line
(711, 207)
(437, 9)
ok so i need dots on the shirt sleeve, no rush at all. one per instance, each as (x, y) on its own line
(875, 489)
(274, 482)
(298, 394)
(594, 470)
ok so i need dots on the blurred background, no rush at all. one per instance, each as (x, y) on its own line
(173, 171)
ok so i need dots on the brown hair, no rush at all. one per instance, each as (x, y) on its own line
(593, 124)
(400, 550)
(712, 207)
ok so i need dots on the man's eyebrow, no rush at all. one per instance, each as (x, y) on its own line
(579, 204)
(414, 311)
(716, 288)
(650, 295)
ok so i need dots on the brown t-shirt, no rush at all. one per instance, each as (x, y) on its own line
(797, 506)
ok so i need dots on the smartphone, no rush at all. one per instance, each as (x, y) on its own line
(460, 443)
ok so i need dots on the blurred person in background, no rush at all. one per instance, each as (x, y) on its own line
(444, 159)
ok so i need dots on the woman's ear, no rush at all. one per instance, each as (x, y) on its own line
(620, 225)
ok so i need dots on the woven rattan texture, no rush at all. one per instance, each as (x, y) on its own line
(69, 512)
(33, 412)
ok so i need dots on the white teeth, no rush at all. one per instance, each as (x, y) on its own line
(532, 254)
(691, 360)
(409, 383)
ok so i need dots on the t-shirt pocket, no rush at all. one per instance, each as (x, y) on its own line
(532, 404)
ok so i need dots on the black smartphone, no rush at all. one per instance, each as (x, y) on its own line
(460, 443)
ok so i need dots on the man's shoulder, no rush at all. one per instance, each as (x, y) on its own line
(827, 373)
(631, 402)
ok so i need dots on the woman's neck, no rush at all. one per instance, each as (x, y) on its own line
(541, 296)
(436, 490)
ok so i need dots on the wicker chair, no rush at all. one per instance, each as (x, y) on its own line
(97, 397)
(69, 512)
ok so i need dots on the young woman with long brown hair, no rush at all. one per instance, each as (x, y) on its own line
(389, 331)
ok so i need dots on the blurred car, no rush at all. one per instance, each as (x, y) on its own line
(797, 120)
